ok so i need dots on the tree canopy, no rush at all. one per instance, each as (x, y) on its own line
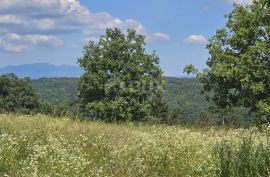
(16, 95)
(121, 81)
(238, 69)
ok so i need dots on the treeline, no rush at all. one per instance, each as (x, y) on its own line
(178, 92)
(18, 96)
(185, 103)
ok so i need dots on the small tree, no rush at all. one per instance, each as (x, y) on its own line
(239, 64)
(16, 95)
(121, 81)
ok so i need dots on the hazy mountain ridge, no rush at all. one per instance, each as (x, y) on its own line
(40, 70)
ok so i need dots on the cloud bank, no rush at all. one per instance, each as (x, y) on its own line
(27, 23)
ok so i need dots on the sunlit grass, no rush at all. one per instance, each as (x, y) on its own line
(44, 146)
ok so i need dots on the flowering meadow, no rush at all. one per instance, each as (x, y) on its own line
(44, 146)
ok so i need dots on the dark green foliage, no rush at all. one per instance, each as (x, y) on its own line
(121, 81)
(185, 93)
(56, 90)
(160, 109)
(204, 118)
(238, 67)
(46, 107)
(16, 95)
(71, 109)
(179, 92)
(182, 95)
(177, 117)
(190, 69)
(233, 116)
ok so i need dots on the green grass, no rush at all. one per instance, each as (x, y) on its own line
(44, 146)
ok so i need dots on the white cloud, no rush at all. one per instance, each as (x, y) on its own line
(240, 2)
(15, 48)
(60, 16)
(161, 36)
(157, 37)
(57, 16)
(43, 21)
(45, 24)
(11, 19)
(13, 42)
(129, 23)
(195, 39)
(10, 47)
(43, 39)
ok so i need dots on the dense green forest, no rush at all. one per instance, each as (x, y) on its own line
(182, 95)
(185, 93)
(56, 90)
(179, 92)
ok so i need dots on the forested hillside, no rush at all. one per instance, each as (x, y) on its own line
(179, 92)
(185, 93)
(56, 90)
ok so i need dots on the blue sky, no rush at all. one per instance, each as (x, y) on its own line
(54, 31)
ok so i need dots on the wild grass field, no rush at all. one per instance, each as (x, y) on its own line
(44, 146)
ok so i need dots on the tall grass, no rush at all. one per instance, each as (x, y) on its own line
(44, 146)
(247, 160)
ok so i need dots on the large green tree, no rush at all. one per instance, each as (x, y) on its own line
(238, 71)
(121, 81)
(16, 95)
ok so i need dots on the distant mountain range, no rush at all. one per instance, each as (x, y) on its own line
(40, 70)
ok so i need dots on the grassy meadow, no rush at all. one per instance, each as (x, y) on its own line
(44, 146)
